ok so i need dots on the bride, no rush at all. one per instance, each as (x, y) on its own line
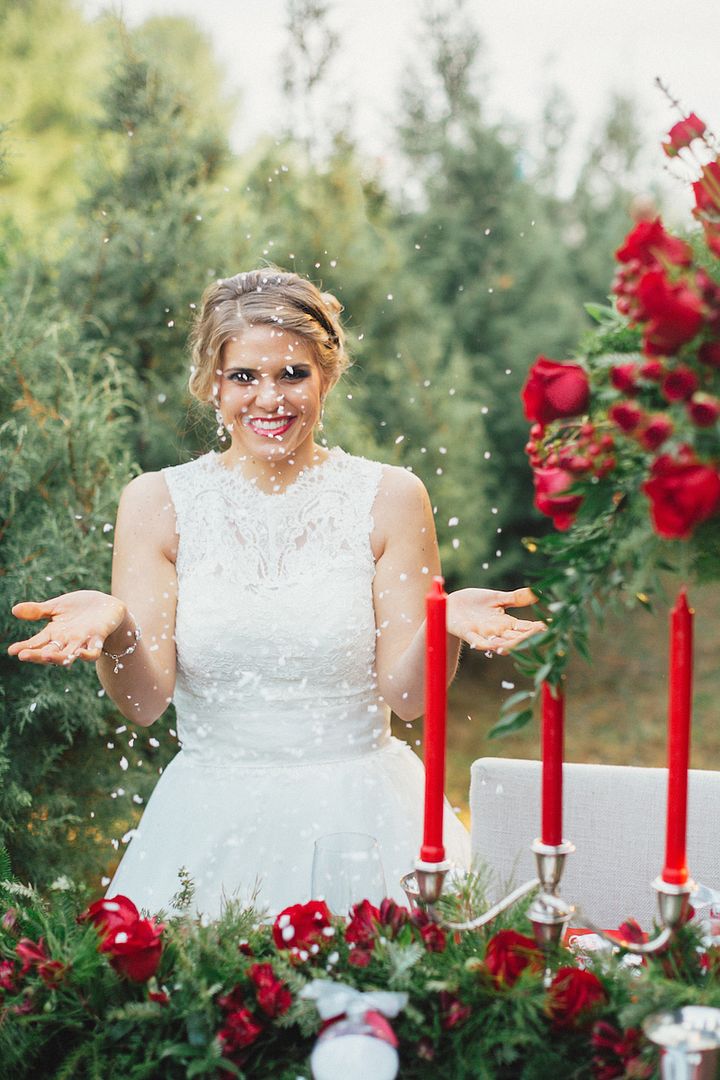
(274, 592)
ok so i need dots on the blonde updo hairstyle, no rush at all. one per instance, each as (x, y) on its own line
(269, 296)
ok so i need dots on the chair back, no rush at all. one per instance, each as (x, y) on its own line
(615, 817)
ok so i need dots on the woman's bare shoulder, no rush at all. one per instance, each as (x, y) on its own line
(398, 483)
(146, 503)
(401, 501)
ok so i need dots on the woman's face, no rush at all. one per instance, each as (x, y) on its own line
(270, 392)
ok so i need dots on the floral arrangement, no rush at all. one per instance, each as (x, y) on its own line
(101, 991)
(625, 440)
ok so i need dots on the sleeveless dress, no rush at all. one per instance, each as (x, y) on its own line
(283, 737)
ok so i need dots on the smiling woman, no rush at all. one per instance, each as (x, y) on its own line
(280, 590)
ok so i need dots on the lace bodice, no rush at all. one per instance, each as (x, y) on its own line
(275, 627)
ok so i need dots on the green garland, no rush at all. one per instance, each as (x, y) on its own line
(224, 998)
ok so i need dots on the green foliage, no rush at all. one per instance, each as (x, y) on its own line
(85, 1020)
(63, 458)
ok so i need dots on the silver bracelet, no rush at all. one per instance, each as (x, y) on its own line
(117, 657)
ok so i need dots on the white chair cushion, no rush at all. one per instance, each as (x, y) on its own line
(615, 817)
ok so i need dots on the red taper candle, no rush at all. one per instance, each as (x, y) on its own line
(553, 742)
(679, 716)
(432, 849)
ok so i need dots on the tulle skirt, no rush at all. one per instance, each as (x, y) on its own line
(247, 833)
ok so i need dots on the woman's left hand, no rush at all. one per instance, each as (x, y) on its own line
(478, 616)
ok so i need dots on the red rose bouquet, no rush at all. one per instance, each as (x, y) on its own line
(625, 438)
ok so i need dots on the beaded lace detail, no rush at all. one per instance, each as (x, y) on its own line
(275, 627)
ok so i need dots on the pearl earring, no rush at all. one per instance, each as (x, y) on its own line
(320, 423)
(221, 425)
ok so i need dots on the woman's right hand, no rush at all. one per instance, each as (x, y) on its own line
(79, 623)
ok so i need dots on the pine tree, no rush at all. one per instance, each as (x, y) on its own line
(145, 238)
(485, 242)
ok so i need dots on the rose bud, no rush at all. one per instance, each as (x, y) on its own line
(709, 353)
(683, 133)
(626, 415)
(653, 370)
(587, 430)
(655, 432)
(648, 243)
(554, 390)
(623, 305)
(623, 376)
(680, 384)
(530, 447)
(607, 466)
(673, 314)
(704, 410)
(607, 442)
(579, 463)
(707, 190)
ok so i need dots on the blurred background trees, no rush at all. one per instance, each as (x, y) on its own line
(121, 199)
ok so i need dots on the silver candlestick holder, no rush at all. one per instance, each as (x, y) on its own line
(689, 1039)
(549, 913)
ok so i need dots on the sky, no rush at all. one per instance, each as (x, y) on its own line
(590, 50)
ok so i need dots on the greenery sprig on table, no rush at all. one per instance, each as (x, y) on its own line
(625, 439)
(102, 991)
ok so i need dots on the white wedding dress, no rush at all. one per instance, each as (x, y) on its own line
(283, 737)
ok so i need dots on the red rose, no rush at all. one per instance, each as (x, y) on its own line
(554, 390)
(240, 1031)
(110, 913)
(31, 953)
(707, 190)
(433, 937)
(655, 431)
(549, 485)
(272, 993)
(650, 244)
(653, 370)
(159, 996)
(510, 953)
(7, 975)
(626, 415)
(618, 1053)
(709, 353)
(362, 927)
(452, 1011)
(135, 949)
(679, 384)
(682, 494)
(672, 313)
(392, 916)
(683, 133)
(233, 1001)
(704, 410)
(623, 377)
(573, 995)
(360, 957)
(301, 925)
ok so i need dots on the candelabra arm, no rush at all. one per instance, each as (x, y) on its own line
(637, 948)
(491, 913)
